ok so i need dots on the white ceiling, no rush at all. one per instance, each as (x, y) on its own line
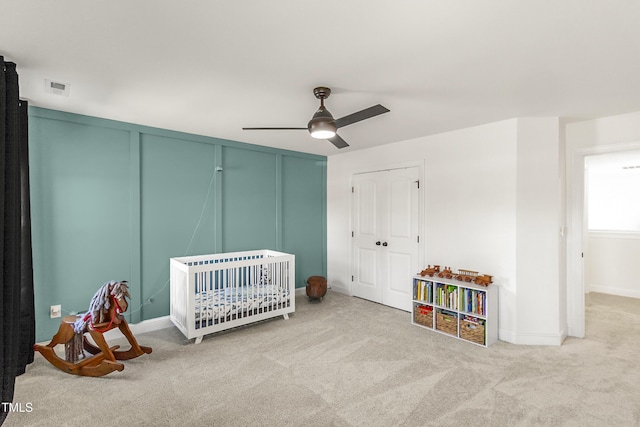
(212, 67)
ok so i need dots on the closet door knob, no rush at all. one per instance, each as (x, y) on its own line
(378, 243)
(385, 244)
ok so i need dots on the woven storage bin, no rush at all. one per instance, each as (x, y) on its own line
(423, 317)
(471, 331)
(447, 323)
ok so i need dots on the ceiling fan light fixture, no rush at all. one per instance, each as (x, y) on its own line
(321, 125)
(322, 129)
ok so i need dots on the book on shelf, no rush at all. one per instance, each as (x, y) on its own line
(472, 319)
(449, 313)
(473, 301)
(422, 291)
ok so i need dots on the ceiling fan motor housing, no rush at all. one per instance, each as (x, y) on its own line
(321, 92)
(321, 125)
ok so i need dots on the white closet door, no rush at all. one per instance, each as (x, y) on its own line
(366, 232)
(385, 235)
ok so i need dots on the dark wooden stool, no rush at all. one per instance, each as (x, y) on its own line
(316, 287)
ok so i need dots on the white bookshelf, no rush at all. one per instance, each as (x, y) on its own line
(456, 308)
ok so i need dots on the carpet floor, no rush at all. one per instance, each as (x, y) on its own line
(349, 362)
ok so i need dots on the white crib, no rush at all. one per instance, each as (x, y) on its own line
(211, 293)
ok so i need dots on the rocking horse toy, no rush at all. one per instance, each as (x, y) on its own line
(81, 356)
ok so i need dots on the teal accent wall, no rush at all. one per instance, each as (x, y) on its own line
(114, 201)
(178, 211)
(250, 193)
(303, 228)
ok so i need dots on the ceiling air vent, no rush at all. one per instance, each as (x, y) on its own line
(57, 88)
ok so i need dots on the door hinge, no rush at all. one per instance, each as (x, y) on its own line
(353, 190)
(418, 238)
(418, 182)
(352, 278)
(352, 234)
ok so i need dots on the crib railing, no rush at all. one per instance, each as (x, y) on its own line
(211, 293)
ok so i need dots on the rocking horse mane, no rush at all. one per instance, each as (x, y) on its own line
(101, 304)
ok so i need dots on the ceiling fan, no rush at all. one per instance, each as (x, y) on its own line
(323, 126)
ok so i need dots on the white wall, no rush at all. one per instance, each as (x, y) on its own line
(538, 231)
(603, 135)
(474, 216)
(611, 263)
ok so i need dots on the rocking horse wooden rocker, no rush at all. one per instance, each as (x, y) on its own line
(81, 356)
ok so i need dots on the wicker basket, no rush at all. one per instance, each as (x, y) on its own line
(472, 331)
(447, 323)
(423, 315)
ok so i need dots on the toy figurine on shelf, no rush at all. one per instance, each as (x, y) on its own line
(446, 273)
(430, 271)
(466, 275)
(483, 280)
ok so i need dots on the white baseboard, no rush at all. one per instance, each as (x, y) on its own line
(631, 293)
(532, 338)
(150, 325)
(136, 328)
(303, 291)
(507, 336)
(341, 289)
(540, 339)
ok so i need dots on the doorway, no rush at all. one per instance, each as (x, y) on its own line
(578, 238)
(385, 236)
(612, 209)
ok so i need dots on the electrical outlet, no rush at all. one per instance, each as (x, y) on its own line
(55, 311)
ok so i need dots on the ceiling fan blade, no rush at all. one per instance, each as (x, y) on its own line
(367, 113)
(338, 141)
(274, 128)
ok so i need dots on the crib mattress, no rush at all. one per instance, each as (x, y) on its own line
(218, 305)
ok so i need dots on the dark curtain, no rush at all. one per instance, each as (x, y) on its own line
(17, 321)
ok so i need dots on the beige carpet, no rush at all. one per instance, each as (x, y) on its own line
(346, 362)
